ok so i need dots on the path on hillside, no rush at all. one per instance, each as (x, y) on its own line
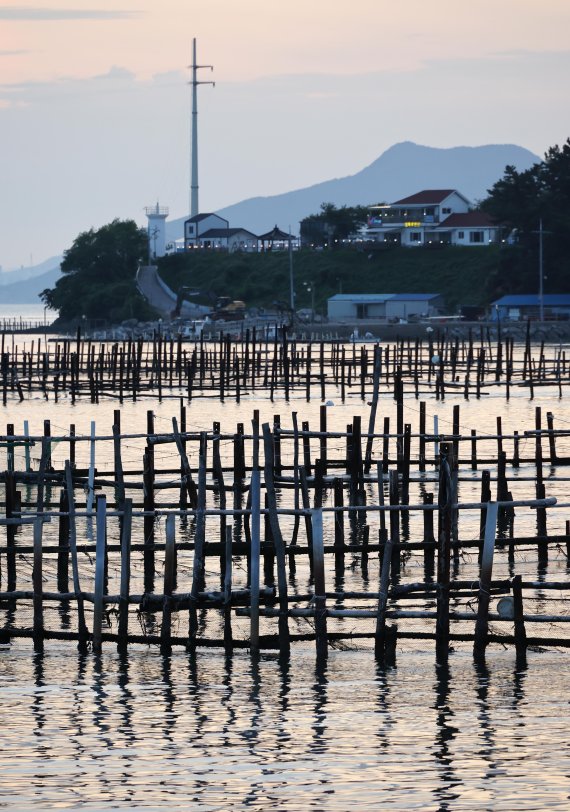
(158, 294)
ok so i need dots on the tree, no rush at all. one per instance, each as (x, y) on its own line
(331, 224)
(519, 201)
(99, 273)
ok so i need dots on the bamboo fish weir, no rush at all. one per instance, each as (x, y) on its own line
(384, 534)
(283, 366)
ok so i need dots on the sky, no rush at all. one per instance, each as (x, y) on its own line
(95, 101)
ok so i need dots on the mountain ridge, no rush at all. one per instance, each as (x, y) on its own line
(401, 170)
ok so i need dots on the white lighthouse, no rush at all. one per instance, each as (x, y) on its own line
(156, 231)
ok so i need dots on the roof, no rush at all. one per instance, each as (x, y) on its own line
(275, 234)
(361, 297)
(414, 297)
(471, 219)
(197, 218)
(216, 233)
(427, 197)
(532, 300)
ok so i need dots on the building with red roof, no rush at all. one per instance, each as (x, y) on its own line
(429, 217)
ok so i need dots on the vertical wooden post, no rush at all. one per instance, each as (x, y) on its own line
(395, 522)
(380, 632)
(38, 632)
(101, 513)
(429, 538)
(323, 439)
(320, 591)
(551, 438)
(123, 630)
(443, 556)
(82, 626)
(199, 542)
(520, 632)
(284, 642)
(63, 544)
(422, 451)
(91, 476)
(255, 560)
(482, 623)
(338, 524)
(373, 407)
(169, 579)
(228, 641)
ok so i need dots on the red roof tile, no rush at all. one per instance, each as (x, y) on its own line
(426, 197)
(472, 219)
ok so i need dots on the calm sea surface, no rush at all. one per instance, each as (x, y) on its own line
(216, 733)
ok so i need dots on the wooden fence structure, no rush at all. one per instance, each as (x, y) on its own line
(283, 367)
(257, 540)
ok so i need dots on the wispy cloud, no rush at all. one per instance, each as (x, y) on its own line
(32, 13)
(13, 53)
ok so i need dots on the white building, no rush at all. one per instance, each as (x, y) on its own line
(195, 227)
(472, 228)
(229, 239)
(428, 217)
(156, 230)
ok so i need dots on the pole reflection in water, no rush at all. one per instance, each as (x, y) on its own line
(209, 732)
(444, 737)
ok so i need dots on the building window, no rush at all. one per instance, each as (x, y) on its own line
(446, 210)
(415, 236)
(476, 236)
(460, 235)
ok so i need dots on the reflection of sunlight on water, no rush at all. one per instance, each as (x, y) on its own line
(216, 733)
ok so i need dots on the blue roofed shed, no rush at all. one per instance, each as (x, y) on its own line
(527, 306)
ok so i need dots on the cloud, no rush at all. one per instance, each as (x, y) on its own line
(13, 53)
(79, 151)
(32, 13)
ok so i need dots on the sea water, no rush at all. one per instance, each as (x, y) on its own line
(210, 732)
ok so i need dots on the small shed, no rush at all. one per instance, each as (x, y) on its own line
(404, 305)
(556, 306)
(350, 306)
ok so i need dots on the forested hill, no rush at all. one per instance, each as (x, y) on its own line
(464, 276)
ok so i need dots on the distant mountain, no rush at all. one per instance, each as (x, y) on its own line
(28, 291)
(400, 171)
(21, 274)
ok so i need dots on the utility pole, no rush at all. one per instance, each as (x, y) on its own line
(540, 271)
(194, 209)
(541, 232)
(291, 279)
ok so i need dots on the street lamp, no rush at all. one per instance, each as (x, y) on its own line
(310, 288)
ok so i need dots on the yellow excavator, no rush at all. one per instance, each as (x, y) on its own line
(227, 309)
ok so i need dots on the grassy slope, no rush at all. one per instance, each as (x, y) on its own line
(459, 274)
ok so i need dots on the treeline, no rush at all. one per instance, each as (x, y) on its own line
(99, 269)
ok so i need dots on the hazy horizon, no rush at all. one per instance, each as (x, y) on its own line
(95, 103)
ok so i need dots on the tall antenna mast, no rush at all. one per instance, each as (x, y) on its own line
(194, 158)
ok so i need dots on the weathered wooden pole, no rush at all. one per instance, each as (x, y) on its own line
(482, 623)
(101, 514)
(443, 556)
(37, 577)
(320, 590)
(123, 626)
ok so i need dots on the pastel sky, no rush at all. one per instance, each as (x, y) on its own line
(95, 106)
